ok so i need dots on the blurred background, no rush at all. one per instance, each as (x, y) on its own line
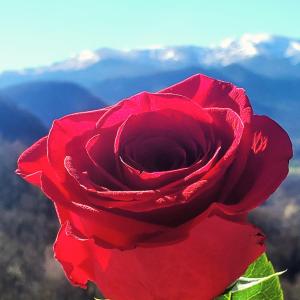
(58, 57)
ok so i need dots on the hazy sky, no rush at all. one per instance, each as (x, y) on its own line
(38, 32)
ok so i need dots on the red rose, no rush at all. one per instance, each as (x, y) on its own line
(152, 193)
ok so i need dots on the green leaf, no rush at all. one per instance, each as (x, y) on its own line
(260, 282)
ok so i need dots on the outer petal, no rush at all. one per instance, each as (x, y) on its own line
(266, 167)
(106, 228)
(71, 128)
(209, 92)
(147, 102)
(32, 161)
(215, 254)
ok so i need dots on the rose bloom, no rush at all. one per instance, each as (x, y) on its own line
(153, 193)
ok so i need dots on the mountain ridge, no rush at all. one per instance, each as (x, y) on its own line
(256, 52)
(49, 100)
(17, 124)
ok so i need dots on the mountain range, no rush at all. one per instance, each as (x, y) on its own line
(264, 54)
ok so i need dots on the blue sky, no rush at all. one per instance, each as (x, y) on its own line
(35, 32)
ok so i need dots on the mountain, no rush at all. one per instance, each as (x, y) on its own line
(264, 54)
(51, 100)
(17, 124)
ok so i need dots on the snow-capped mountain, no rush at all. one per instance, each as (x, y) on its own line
(229, 51)
(273, 56)
(253, 45)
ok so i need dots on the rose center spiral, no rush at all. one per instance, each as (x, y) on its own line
(161, 142)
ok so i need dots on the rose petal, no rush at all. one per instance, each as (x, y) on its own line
(147, 102)
(100, 149)
(108, 229)
(209, 92)
(70, 132)
(202, 266)
(266, 168)
(238, 165)
(32, 161)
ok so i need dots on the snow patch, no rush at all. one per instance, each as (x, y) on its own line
(87, 56)
(293, 52)
(170, 55)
